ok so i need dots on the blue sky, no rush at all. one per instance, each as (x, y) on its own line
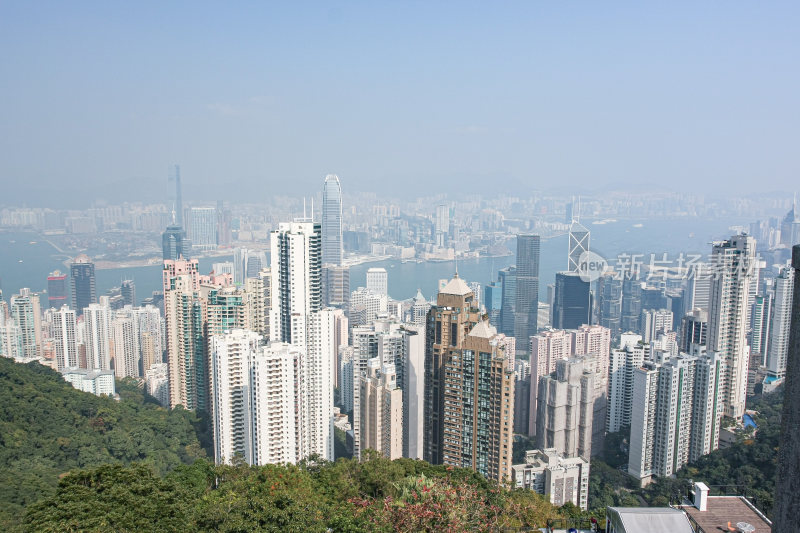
(397, 97)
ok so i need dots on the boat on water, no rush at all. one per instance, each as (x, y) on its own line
(20, 261)
(32, 242)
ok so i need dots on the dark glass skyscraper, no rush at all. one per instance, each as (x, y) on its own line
(173, 243)
(84, 290)
(527, 294)
(572, 301)
(128, 292)
(57, 291)
(332, 221)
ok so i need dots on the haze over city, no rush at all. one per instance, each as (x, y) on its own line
(98, 99)
(399, 267)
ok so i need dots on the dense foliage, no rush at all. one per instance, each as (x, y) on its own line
(71, 461)
(374, 495)
(47, 428)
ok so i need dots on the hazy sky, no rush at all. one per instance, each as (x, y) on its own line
(398, 97)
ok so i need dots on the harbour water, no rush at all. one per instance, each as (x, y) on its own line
(26, 259)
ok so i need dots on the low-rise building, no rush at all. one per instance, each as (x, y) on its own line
(97, 382)
(558, 478)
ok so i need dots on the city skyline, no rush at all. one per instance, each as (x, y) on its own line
(401, 266)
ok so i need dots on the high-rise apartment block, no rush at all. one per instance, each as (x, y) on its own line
(65, 338)
(565, 409)
(623, 363)
(296, 269)
(381, 410)
(675, 416)
(469, 388)
(26, 313)
(98, 339)
(203, 228)
(653, 322)
(732, 270)
(781, 323)
(590, 344)
(127, 354)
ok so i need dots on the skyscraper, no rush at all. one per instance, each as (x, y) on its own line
(203, 228)
(732, 261)
(507, 278)
(184, 311)
(653, 322)
(381, 406)
(296, 275)
(760, 323)
(27, 314)
(572, 301)
(332, 221)
(317, 392)
(65, 338)
(232, 363)
(624, 362)
(694, 330)
(259, 412)
(442, 224)
(526, 310)
(336, 286)
(57, 290)
(609, 302)
(578, 244)
(97, 320)
(84, 291)
(247, 263)
(174, 243)
(127, 354)
(565, 409)
(546, 348)
(128, 291)
(469, 388)
(790, 227)
(781, 322)
(413, 385)
(675, 415)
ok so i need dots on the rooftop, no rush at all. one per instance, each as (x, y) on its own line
(484, 330)
(650, 519)
(457, 287)
(721, 510)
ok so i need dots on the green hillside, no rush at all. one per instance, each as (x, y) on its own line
(47, 428)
